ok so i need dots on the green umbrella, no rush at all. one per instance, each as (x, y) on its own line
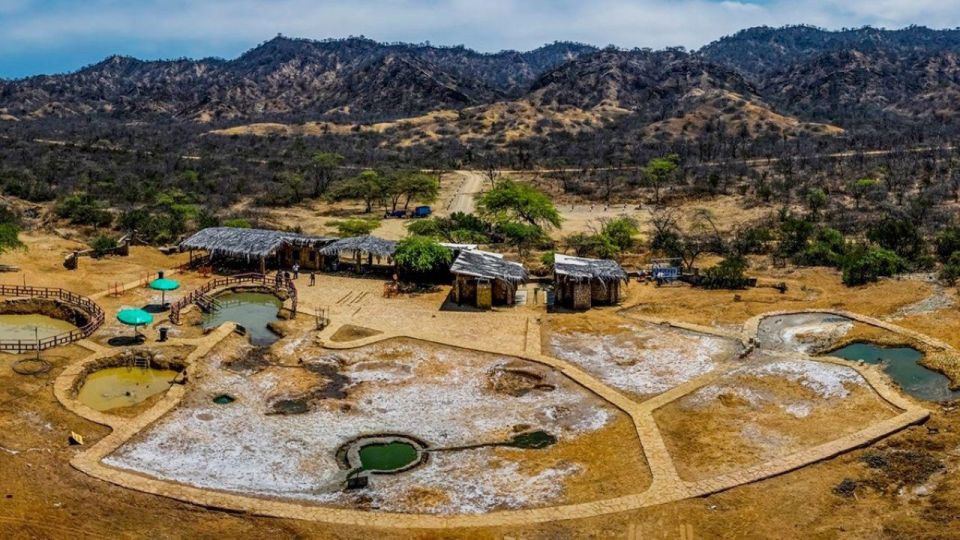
(134, 317)
(163, 285)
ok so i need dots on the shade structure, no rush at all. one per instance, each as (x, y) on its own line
(134, 317)
(163, 285)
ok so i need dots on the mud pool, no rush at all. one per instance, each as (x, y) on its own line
(117, 387)
(802, 332)
(252, 310)
(31, 327)
(445, 397)
(902, 364)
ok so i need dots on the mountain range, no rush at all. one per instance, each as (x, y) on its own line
(758, 82)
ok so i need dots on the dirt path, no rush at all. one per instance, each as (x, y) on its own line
(464, 199)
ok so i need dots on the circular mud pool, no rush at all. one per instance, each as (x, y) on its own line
(31, 327)
(117, 387)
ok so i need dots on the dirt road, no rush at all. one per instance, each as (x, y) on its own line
(464, 198)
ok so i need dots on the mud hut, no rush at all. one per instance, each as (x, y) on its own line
(486, 279)
(377, 251)
(581, 283)
(260, 246)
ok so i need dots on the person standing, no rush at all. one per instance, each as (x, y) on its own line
(313, 278)
(296, 270)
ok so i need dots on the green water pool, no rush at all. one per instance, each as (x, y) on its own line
(251, 310)
(387, 456)
(902, 365)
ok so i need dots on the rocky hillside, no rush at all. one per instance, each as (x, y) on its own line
(758, 52)
(355, 78)
(761, 81)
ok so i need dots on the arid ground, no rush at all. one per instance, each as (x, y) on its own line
(732, 409)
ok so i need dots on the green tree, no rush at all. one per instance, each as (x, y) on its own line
(826, 249)
(659, 171)
(621, 232)
(793, 234)
(421, 255)
(323, 167)
(354, 226)
(728, 274)
(102, 245)
(369, 186)
(415, 186)
(510, 200)
(10, 237)
(83, 209)
(864, 264)
(861, 188)
(948, 242)
(521, 235)
(816, 201)
(900, 235)
(458, 227)
(951, 269)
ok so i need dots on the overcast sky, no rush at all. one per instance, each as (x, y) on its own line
(48, 36)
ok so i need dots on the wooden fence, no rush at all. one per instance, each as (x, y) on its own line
(94, 312)
(199, 295)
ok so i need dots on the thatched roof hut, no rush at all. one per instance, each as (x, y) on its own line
(371, 245)
(579, 283)
(485, 265)
(583, 269)
(486, 279)
(249, 244)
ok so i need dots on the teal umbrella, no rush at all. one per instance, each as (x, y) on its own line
(163, 285)
(134, 317)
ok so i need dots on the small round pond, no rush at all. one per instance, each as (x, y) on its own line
(387, 456)
(117, 387)
(31, 327)
(252, 310)
(902, 364)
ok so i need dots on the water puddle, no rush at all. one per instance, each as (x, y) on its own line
(224, 399)
(113, 388)
(31, 327)
(531, 440)
(902, 365)
(251, 310)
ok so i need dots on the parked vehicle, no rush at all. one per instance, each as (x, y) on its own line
(396, 214)
(422, 211)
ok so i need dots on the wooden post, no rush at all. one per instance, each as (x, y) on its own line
(263, 265)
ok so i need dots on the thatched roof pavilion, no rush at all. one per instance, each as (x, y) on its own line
(371, 245)
(580, 283)
(359, 245)
(249, 244)
(486, 278)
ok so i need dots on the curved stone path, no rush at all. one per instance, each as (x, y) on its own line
(666, 484)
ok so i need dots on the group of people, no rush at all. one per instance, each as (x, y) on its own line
(285, 277)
